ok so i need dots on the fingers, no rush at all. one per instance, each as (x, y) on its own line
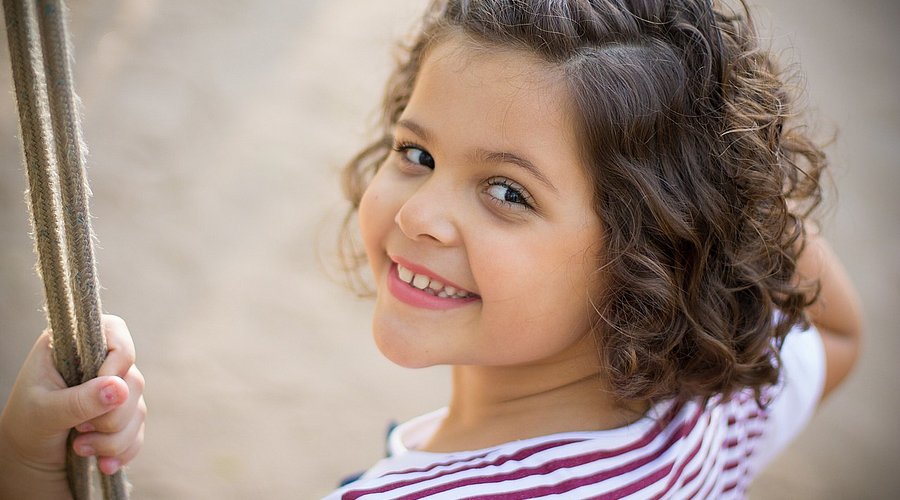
(75, 405)
(119, 362)
(108, 410)
(114, 449)
(40, 409)
(109, 465)
(117, 418)
(110, 444)
(116, 436)
(121, 355)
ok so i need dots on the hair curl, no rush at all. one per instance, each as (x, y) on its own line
(701, 186)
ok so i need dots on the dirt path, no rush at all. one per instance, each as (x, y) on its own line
(216, 130)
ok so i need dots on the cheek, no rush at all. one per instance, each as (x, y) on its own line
(538, 300)
(375, 215)
(366, 215)
(514, 271)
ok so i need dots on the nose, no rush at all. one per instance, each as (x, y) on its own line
(428, 214)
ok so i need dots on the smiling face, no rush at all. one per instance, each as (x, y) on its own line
(479, 226)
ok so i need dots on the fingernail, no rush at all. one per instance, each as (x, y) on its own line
(110, 395)
(85, 450)
(110, 467)
(85, 427)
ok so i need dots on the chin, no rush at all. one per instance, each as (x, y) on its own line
(400, 352)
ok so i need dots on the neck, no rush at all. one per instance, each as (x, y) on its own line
(491, 405)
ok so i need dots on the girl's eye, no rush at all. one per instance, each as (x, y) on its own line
(508, 193)
(415, 155)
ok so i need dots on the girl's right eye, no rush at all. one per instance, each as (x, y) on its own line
(415, 155)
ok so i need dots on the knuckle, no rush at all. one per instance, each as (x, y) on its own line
(79, 406)
(128, 455)
(109, 423)
(133, 450)
(102, 425)
(111, 445)
(106, 448)
(122, 447)
(112, 326)
(128, 356)
(136, 379)
(112, 321)
(119, 339)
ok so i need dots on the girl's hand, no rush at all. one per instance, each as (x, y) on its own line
(108, 412)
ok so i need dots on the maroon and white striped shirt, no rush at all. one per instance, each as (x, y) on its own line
(678, 450)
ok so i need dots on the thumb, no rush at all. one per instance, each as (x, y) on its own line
(75, 405)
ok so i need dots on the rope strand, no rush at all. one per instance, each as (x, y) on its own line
(70, 163)
(34, 112)
(55, 159)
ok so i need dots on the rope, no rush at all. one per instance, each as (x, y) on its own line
(57, 186)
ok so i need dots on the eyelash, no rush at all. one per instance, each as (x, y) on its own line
(403, 147)
(527, 204)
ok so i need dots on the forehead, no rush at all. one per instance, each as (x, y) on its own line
(501, 67)
(509, 97)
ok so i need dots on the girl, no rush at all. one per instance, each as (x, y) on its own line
(597, 213)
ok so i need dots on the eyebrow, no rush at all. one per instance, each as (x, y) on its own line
(415, 128)
(506, 157)
(486, 155)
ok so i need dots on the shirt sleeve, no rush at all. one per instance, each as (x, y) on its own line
(795, 398)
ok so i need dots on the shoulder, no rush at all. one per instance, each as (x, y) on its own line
(791, 403)
(680, 449)
(675, 448)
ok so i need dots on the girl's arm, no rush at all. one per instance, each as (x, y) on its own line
(108, 412)
(837, 314)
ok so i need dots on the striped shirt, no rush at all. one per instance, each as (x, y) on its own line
(677, 450)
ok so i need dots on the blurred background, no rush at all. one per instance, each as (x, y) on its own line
(217, 129)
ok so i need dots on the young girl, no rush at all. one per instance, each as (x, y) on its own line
(596, 212)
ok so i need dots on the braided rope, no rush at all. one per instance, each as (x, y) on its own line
(70, 156)
(57, 186)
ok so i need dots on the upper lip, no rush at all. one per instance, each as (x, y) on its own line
(419, 269)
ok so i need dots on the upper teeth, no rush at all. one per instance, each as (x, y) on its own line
(430, 285)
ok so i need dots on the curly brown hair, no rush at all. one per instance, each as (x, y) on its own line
(701, 186)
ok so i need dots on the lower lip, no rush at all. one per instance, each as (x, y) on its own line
(413, 296)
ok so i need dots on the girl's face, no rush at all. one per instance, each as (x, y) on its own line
(479, 227)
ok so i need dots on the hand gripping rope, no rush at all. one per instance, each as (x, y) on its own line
(57, 184)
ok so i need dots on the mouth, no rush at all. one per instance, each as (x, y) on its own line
(432, 286)
(420, 288)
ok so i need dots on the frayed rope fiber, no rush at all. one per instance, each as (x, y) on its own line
(58, 199)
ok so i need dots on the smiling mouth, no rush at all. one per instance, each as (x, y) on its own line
(431, 285)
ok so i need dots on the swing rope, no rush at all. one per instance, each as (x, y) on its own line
(58, 196)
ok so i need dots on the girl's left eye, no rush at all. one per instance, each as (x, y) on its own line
(415, 155)
(508, 193)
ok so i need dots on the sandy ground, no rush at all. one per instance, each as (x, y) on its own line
(216, 130)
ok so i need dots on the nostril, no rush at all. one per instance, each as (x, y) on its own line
(427, 216)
